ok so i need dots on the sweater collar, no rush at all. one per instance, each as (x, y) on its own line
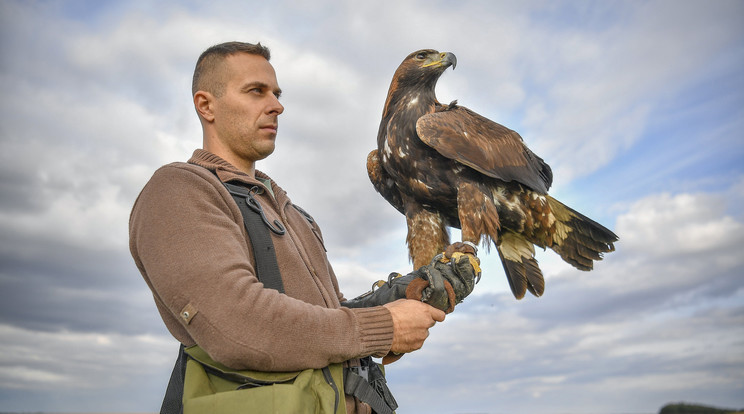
(228, 172)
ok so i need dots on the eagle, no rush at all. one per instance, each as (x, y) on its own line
(443, 165)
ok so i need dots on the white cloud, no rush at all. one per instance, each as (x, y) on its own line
(99, 223)
(355, 278)
(669, 225)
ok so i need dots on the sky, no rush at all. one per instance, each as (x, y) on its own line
(638, 106)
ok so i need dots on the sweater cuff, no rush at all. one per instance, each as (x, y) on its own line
(375, 330)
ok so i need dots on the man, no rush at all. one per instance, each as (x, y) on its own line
(188, 240)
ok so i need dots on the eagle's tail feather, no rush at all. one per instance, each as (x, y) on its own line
(578, 239)
(521, 268)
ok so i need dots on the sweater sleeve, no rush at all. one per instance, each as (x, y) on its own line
(188, 242)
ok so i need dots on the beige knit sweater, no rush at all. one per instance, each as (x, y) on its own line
(188, 241)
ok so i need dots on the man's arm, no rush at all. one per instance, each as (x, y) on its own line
(189, 244)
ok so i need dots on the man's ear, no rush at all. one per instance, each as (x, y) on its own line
(203, 102)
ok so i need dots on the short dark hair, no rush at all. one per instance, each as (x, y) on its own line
(210, 60)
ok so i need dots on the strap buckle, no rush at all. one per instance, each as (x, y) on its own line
(362, 371)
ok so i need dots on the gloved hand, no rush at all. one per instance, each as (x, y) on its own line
(443, 283)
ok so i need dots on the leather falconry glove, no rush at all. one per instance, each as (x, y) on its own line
(443, 283)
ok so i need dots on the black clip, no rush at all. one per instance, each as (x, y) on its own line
(255, 206)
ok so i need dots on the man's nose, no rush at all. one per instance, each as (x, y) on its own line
(275, 107)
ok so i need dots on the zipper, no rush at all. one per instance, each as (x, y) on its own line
(332, 383)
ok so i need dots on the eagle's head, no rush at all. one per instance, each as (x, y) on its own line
(414, 80)
(423, 68)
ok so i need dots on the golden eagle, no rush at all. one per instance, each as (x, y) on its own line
(445, 165)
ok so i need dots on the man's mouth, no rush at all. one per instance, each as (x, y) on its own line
(270, 128)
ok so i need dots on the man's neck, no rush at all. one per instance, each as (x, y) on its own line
(248, 167)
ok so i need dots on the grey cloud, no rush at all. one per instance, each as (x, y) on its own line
(526, 362)
(652, 327)
(83, 371)
(20, 190)
(621, 289)
(49, 286)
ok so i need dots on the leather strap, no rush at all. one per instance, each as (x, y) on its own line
(367, 383)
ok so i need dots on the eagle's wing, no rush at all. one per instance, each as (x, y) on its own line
(382, 181)
(490, 148)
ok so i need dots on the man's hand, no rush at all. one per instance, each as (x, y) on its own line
(411, 322)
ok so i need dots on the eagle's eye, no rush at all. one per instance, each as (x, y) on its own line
(421, 56)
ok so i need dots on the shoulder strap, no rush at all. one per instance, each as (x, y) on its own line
(267, 271)
(267, 268)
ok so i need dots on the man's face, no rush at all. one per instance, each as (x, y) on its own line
(246, 115)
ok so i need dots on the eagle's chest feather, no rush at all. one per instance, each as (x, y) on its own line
(418, 170)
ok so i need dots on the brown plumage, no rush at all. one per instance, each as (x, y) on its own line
(445, 165)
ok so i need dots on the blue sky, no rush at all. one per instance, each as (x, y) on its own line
(638, 106)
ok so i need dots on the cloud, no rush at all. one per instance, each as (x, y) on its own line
(52, 370)
(666, 224)
(655, 325)
(598, 90)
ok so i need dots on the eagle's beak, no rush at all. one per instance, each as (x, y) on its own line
(449, 59)
(446, 59)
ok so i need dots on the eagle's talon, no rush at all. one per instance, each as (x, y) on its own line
(471, 244)
(439, 258)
